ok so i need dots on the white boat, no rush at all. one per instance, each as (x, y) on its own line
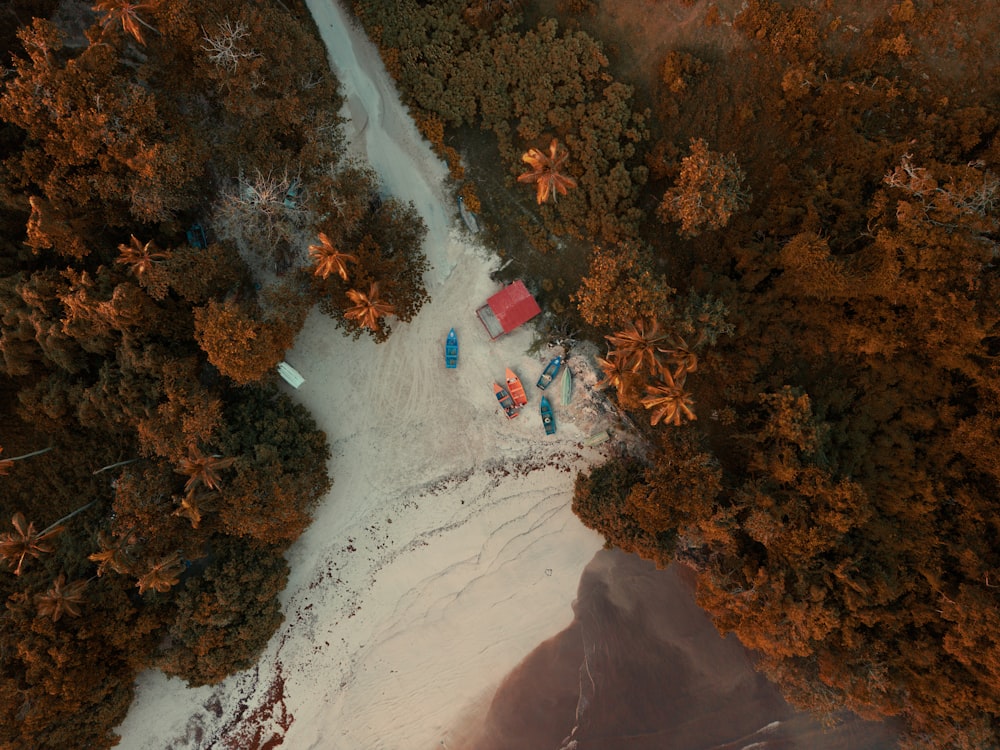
(290, 375)
(601, 436)
(567, 386)
(467, 216)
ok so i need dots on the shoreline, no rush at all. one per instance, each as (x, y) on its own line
(642, 666)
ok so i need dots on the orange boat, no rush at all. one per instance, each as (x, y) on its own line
(515, 388)
(509, 407)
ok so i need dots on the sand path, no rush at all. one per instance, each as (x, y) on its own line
(447, 549)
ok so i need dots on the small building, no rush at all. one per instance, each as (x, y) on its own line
(507, 309)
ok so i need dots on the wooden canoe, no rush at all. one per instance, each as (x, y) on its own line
(549, 373)
(548, 419)
(506, 402)
(567, 386)
(601, 436)
(515, 388)
(467, 216)
(451, 350)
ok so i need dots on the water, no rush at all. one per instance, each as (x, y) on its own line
(642, 667)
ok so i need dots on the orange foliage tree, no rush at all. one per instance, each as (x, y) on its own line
(668, 401)
(622, 285)
(62, 598)
(329, 259)
(386, 276)
(709, 192)
(836, 503)
(238, 342)
(25, 541)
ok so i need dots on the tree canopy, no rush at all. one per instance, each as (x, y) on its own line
(153, 474)
(834, 493)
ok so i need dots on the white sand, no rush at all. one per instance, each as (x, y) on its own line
(447, 549)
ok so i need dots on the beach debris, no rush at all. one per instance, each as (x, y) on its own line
(601, 436)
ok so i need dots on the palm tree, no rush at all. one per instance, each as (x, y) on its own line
(682, 355)
(669, 401)
(114, 554)
(6, 464)
(61, 598)
(125, 12)
(24, 541)
(368, 308)
(163, 576)
(639, 345)
(328, 259)
(195, 504)
(202, 469)
(545, 171)
(139, 257)
(615, 372)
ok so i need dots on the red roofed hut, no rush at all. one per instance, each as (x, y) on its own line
(507, 309)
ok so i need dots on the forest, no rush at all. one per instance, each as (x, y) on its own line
(175, 197)
(786, 230)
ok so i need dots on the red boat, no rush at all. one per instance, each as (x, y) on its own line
(515, 388)
(509, 407)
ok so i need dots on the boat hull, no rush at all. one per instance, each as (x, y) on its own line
(548, 418)
(451, 350)
(467, 216)
(515, 388)
(506, 402)
(549, 373)
(567, 387)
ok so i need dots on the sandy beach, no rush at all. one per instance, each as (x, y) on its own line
(447, 549)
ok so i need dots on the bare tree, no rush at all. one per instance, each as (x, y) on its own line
(224, 48)
(266, 216)
(970, 190)
(310, 80)
(6, 464)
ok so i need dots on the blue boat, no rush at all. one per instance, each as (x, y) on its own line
(548, 420)
(506, 402)
(451, 350)
(549, 373)
(196, 237)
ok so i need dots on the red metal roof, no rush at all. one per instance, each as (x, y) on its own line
(513, 305)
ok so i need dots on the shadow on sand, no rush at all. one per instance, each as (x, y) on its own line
(642, 668)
